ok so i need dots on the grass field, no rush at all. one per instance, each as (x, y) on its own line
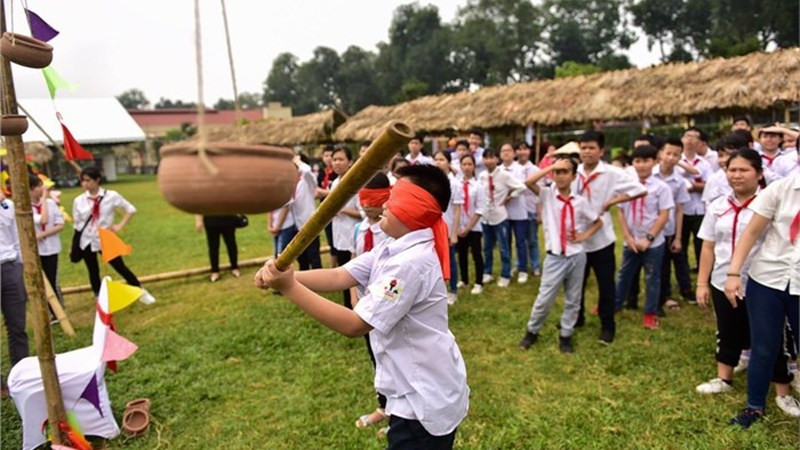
(228, 366)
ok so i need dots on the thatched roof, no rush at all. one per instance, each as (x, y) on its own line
(38, 152)
(754, 81)
(308, 129)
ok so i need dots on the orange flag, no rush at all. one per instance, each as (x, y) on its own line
(111, 245)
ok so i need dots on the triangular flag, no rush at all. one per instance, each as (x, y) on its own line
(121, 295)
(39, 28)
(117, 348)
(92, 395)
(72, 148)
(112, 246)
(55, 82)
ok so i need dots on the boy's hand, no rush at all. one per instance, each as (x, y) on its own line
(274, 231)
(643, 244)
(453, 238)
(270, 277)
(702, 295)
(577, 238)
(116, 228)
(463, 232)
(676, 246)
(631, 242)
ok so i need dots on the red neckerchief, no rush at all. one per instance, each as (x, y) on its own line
(770, 159)
(327, 179)
(465, 186)
(638, 203)
(38, 209)
(566, 209)
(491, 188)
(95, 207)
(794, 229)
(584, 184)
(369, 240)
(736, 210)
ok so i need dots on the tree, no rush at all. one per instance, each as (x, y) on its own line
(574, 69)
(133, 99)
(317, 80)
(165, 103)
(497, 42)
(247, 100)
(588, 32)
(357, 82)
(281, 83)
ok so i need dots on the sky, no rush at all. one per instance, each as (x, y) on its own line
(109, 46)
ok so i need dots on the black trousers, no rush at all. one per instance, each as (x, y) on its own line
(12, 304)
(405, 434)
(310, 258)
(229, 236)
(50, 267)
(604, 264)
(343, 257)
(470, 244)
(90, 259)
(691, 226)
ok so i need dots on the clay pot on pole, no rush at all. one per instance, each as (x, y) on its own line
(26, 51)
(13, 125)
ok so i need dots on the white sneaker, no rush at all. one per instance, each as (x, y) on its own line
(788, 404)
(487, 278)
(522, 278)
(146, 297)
(742, 366)
(715, 386)
(460, 284)
(476, 290)
(796, 381)
(503, 282)
(452, 298)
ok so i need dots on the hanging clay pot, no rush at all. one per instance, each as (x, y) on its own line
(26, 51)
(250, 179)
(13, 125)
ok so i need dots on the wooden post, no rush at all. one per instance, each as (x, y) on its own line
(538, 149)
(787, 117)
(30, 256)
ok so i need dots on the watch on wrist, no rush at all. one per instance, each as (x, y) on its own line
(650, 237)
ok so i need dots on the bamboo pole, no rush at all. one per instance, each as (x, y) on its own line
(538, 143)
(391, 140)
(58, 310)
(237, 108)
(30, 256)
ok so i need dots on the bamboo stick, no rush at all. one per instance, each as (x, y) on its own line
(58, 310)
(391, 140)
(30, 256)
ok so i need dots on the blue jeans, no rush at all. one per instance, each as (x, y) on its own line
(533, 241)
(651, 261)
(496, 234)
(453, 269)
(283, 238)
(767, 312)
(520, 229)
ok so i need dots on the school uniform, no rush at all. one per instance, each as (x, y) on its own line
(420, 159)
(49, 247)
(471, 243)
(712, 157)
(325, 178)
(679, 188)
(518, 218)
(716, 186)
(604, 183)
(406, 305)
(694, 210)
(565, 261)
(456, 198)
(343, 232)
(786, 165)
(767, 160)
(12, 286)
(303, 207)
(99, 212)
(773, 289)
(287, 229)
(477, 155)
(531, 205)
(495, 186)
(640, 216)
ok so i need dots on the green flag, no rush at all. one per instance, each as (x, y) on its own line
(55, 82)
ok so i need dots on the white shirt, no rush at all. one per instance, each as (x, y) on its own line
(606, 183)
(419, 367)
(712, 157)
(378, 235)
(695, 206)
(344, 226)
(777, 263)
(786, 165)
(769, 162)
(679, 188)
(288, 221)
(494, 188)
(51, 245)
(9, 238)
(642, 213)
(82, 211)
(531, 200)
(516, 206)
(470, 207)
(420, 159)
(304, 204)
(477, 155)
(717, 227)
(456, 198)
(552, 209)
(716, 186)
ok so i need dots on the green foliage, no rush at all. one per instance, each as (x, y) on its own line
(165, 103)
(247, 100)
(133, 99)
(229, 366)
(573, 69)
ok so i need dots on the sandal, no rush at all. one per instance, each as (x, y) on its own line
(672, 304)
(236, 273)
(383, 432)
(136, 418)
(214, 277)
(367, 420)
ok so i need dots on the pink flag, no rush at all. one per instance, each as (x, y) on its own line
(117, 348)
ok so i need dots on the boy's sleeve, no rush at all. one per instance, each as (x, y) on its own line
(665, 200)
(360, 267)
(457, 193)
(55, 212)
(389, 297)
(628, 184)
(682, 196)
(767, 201)
(119, 202)
(706, 232)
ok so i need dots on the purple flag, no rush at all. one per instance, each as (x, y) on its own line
(91, 394)
(39, 28)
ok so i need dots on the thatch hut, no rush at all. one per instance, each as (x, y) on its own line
(752, 82)
(312, 128)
